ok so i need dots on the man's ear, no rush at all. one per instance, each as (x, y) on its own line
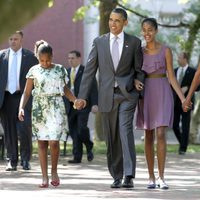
(125, 22)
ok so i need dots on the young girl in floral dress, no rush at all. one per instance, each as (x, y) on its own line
(47, 83)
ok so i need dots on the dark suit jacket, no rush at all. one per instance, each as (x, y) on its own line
(93, 93)
(28, 60)
(129, 68)
(187, 81)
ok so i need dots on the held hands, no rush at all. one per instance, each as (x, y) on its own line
(138, 85)
(21, 114)
(186, 105)
(79, 104)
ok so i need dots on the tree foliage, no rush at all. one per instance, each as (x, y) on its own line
(16, 13)
(190, 23)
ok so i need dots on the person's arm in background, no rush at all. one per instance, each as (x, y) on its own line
(34, 61)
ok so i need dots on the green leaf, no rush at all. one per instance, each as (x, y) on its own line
(50, 3)
(80, 13)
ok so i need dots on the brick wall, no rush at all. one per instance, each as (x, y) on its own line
(55, 25)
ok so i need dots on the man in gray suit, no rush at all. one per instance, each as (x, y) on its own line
(118, 57)
(14, 65)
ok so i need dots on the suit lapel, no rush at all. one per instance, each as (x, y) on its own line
(6, 62)
(80, 71)
(175, 71)
(185, 75)
(78, 74)
(124, 50)
(23, 63)
(107, 50)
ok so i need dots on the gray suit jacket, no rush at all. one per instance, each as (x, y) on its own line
(129, 68)
(28, 60)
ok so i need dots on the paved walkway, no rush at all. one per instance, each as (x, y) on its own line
(92, 181)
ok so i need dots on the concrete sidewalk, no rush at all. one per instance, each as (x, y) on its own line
(92, 181)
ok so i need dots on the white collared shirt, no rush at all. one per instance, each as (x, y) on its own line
(19, 60)
(120, 41)
(179, 71)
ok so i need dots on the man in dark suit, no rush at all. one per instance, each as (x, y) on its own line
(78, 119)
(185, 75)
(118, 57)
(14, 65)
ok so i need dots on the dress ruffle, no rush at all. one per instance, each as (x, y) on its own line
(155, 64)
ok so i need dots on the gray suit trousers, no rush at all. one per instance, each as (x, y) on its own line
(118, 129)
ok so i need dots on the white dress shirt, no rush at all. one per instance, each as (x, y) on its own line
(19, 60)
(120, 41)
(180, 69)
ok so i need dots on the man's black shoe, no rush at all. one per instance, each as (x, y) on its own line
(26, 165)
(181, 152)
(90, 156)
(74, 161)
(128, 182)
(117, 183)
(9, 167)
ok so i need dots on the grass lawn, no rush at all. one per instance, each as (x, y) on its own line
(100, 148)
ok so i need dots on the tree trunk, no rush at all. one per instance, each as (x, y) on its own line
(105, 8)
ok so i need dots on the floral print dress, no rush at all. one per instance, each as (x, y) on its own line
(49, 119)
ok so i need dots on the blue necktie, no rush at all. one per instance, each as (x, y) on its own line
(13, 75)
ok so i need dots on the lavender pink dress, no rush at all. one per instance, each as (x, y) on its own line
(157, 107)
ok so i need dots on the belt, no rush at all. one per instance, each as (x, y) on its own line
(48, 95)
(156, 76)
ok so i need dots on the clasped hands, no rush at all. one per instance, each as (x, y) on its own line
(186, 105)
(79, 104)
(138, 85)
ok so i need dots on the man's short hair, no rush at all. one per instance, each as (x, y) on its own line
(185, 55)
(20, 33)
(77, 53)
(120, 11)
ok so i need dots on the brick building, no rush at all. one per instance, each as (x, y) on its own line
(55, 25)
